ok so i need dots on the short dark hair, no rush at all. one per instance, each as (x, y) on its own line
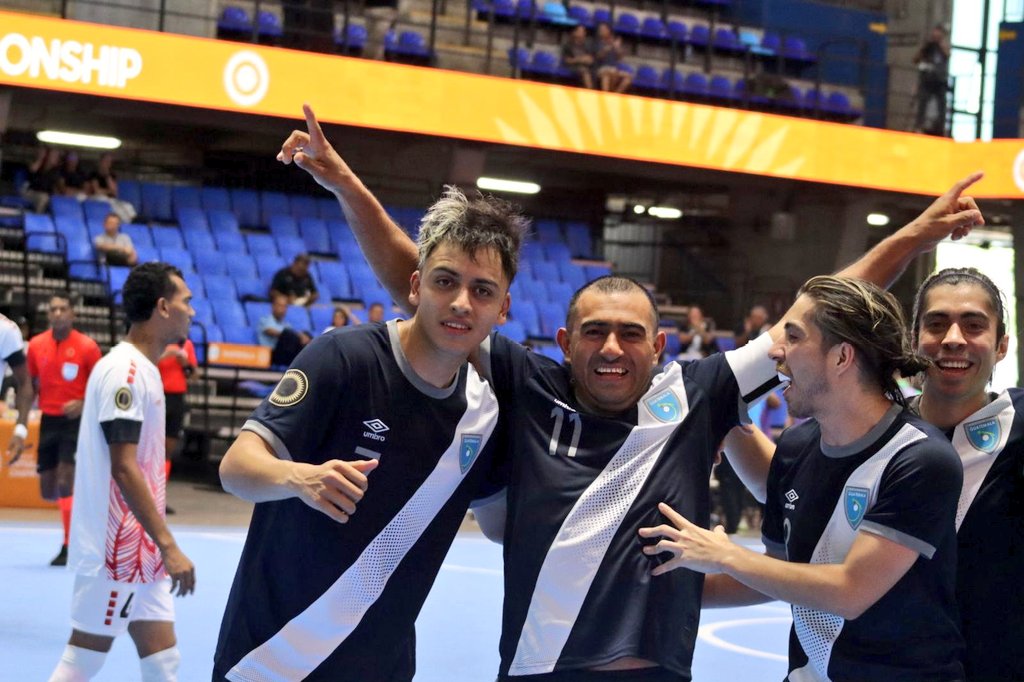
(65, 295)
(870, 319)
(146, 284)
(954, 277)
(611, 284)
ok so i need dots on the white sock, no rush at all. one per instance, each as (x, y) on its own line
(161, 666)
(78, 664)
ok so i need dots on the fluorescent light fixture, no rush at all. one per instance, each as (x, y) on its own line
(665, 212)
(77, 139)
(638, 209)
(878, 219)
(515, 186)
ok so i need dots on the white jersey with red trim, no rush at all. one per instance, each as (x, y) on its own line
(124, 403)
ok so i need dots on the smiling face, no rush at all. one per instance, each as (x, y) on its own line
(958, 332)
(459, 298)
(801, 357)
(612, 348)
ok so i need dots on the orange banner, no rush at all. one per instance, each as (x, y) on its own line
(239, 355)
(70, 56)
(19, 482)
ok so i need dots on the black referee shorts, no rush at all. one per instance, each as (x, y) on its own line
(58, 440)
(177, 408)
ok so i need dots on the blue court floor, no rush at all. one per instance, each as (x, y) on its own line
(457, 630)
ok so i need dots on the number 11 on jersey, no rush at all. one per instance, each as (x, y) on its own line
(558, 414)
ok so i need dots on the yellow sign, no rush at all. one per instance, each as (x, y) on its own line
(239, 355)
(55, 54)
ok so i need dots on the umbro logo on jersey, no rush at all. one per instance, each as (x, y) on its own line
(376, 428)
(791, 497)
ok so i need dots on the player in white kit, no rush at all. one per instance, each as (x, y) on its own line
(126, 561)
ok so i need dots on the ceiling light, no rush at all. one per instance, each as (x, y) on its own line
(499, 185)
(878, 219)
(665, 212)
(638, 209)
(77, 139)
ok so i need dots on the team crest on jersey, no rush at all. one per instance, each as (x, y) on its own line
(69, 371)
(856, 505)
(469, 449)
(665, 406)
(983, 434)
(291, 389)
(123, 398)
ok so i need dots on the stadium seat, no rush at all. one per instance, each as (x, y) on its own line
(329, 209)
(695, 86)
(241, 334)
(550, 351)
(147, 254)
(156, 202)
(552, 316)
(273, 203)
(315, 235)
(513, 330)
(627, 24)
(241, 266)
(794, 49)
(283, 225)
(214, 198)
(246, 205)
(201, 242)
(557, 252)
(234, 20)
(353, 41)
(116, 276)
(335, 276)
(229, 313)
(595, 271)
(252, 288)
(261, 244)
(700, 35)
(290, 247)
(721, 88)
(210, 262)
(672, 81)
(192, 220)
(219, 287)
(130, 191)
(525, 313)
(677, 31)
(167, 237)
(556, 14)
(532, 251)
(581, 15)
(140, 235)
(184, 196)
(376, 295)
(602, 16)
(646, 79)
(577, 236)
(267, 265)
(66, 206)
(572, 274)
(268, 26)
(727, 42)
(254, 310)
(179, 258)
(95, 210)
(560, 293)
(221, 220)
(230, 242)
(303, 206)
(548, 231)
(652, 29)
(545, 271)
(298, 317)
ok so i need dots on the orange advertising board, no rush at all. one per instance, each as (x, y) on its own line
(19, 482)
(238, 355)
(41, 52)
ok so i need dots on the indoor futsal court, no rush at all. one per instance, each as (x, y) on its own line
(457, 632)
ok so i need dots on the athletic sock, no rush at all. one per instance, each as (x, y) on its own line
(78, 664)
(64, 504)
(161, 666)
(167, 469)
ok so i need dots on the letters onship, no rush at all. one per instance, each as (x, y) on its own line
(68, 60)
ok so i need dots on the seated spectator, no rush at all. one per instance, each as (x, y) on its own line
(102, 186)
(608, 53)
(294, 283)
(113, 246)
(375, 313)
(754, 324)
(276, 333)
(342, 317)
(72, 180)
(578, 56)
(43, 178)
(697, 336)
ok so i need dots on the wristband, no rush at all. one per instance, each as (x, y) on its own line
(20, 431)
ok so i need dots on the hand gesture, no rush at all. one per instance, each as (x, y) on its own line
(951, 215)
(181, 569)
(690, 545)
(334, 487)
(314, 154)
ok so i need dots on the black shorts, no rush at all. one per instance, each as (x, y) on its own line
(58, 440)
(177, 408)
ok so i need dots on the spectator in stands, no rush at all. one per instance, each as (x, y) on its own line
(113, 246)
(276, 332)
(578, 56)
(608, 53)
(754, 324)
(380, 17)
(43, 178)
(294, 282)
(932, 61)
(102, 186)
(72, 179)
(343, 317)
(375, 313)
(697, 336)
(176, 365)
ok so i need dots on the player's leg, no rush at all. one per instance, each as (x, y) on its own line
(99, 613)
(152, 630)
(66, 445)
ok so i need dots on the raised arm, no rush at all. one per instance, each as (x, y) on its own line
(389, 251)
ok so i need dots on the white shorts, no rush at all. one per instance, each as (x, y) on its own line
(101, 606)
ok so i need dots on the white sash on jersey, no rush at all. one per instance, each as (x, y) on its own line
(819, 630)
(313, 635)
(581, 543)
(978, 440)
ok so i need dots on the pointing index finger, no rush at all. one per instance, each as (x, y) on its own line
(316, 135)
(957, 189)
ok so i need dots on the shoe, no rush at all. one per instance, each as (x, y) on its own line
(169, 511)
(62, 558)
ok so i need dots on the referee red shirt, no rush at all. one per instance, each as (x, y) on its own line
(171, 371)
(61, 367)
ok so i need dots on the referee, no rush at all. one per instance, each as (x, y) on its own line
(59, 362)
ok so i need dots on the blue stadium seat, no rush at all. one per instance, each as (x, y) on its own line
(298, 317)
(234, 20)
(70, 226)
(514, 331)
(246, 205)
(557, 252)
(95, 210)
(156, 202)
(647, 79)
(595, 271)
(184, 196)
(254, 310)
(140, 235)
(354, 39)
(242, 334)
(560, 293)
(672, 81)
(795, 49)
(210, 262)
(727, 42)
(544, 271)
(167, 237)
(89, 271)
(267, 264)
(268, 25)
(700, 36)
(194, 282)
(130, 191)
(532, 251)
(214, 198)
(66, 206)
(321, 316)
(147, 254)
(335, 276)
(672, 344)
(303, 206)
(116, 276)
(282, 225)
(241, 267)
(201, 242)
(39, 223)
(377, 295)
(573, 275)
(44, 243)
(652, 29)
(677, 31)
(550, 351)
(581, 14)
(577, 236)
(261, 244)
(695, 85)
(315, 235)
(219, 287)
(602, 15)
(533, 290)
(229, 313)
(519, 58)
(627, 24)
(192, 219)
(80, 250)
(525, 313)
(230, 242)
(556, 14)
(721, 88)
(552, 316)
(771, 44)
(741, 94)
(548, 231)
(179, 258)
(329, 209)
(273, 203)
(221, 220)
(290, 247)
(252, 288)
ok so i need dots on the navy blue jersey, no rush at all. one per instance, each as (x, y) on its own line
(317, 600)
(578, 589)
(990, 539)
(901, 480)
